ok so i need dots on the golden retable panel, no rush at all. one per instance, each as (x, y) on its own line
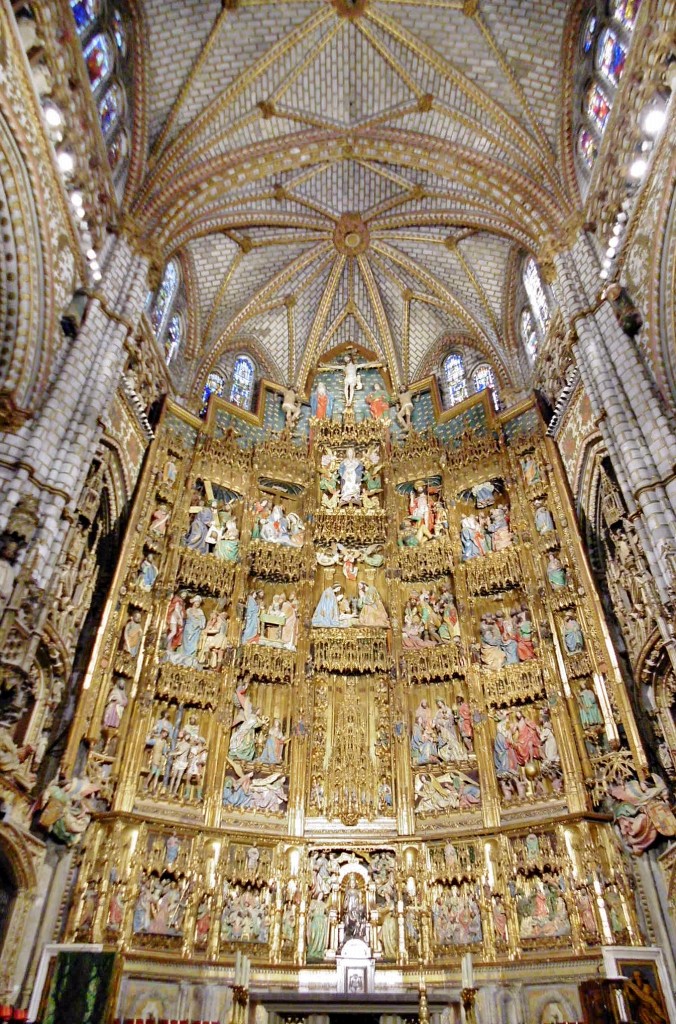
(354, 689)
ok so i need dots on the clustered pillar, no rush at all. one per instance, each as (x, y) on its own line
(49, 457)
(639, 436)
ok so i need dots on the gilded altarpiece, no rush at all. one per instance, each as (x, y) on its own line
(356, 688)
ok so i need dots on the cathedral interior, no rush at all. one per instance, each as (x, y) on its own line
(338, 511)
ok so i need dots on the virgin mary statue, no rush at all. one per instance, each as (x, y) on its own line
(327, 613)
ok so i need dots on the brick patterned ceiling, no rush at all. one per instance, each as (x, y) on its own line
(437, 121)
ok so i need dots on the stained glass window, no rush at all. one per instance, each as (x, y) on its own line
(98, 56)
(85, 13)
(611, 56)
(215, 385)
(536, 294)
(589, 33)
(164, 298)
(598, 106)
(173, 339)
(529, 335)
(454, 378)
(625, 11)
(119, 33)
(117, 150)
(482, 378)
(241, 389)
(111, 107)
(587, 147)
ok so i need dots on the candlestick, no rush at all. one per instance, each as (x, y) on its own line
(468, 996)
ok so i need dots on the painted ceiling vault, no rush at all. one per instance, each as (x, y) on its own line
(360, 170)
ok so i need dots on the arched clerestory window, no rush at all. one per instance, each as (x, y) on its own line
(454, 379)
(604, 45)
(536, 294)
(85, 13)
(108, 58)
(174, 337)
(99, 55)
(243, 380)
(111, 109)
(483, 377)
(164, 299)
(214, 385)
(529, 336)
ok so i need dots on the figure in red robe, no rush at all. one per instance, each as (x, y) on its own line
(526, 740)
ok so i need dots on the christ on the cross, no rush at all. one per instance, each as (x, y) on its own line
(352, 381)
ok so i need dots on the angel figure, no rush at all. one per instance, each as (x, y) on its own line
(350, 558)
(372, 469)
(329, 557)
(352, 380)
(329, 483)
(373, 555)
(483, 494)
(370, 505)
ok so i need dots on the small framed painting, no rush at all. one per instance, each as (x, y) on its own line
(355, 981)
(646, 991)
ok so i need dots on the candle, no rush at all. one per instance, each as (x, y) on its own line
(238, 967)
(467, 971)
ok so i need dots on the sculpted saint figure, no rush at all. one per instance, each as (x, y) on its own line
(350, 471)
(354, 914)
(321, 403)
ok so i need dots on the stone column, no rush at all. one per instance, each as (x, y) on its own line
(49, 456)
(640, 438)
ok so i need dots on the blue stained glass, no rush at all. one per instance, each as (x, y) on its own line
(85, 13)
(589, 33)
(119, 32)
(98, 56)
(611, 56)
(482, 378)
(241, 390)
(110, 108)
(454, 378)
(215, 385)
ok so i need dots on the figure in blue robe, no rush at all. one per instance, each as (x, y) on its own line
(572, 635)
(195, 622)
(147, 573)
(327, 614)
(252, 619)
(196, 537)
(503, 756)
(321, 402)
(484, 494)
(508, 644)
(543, 519)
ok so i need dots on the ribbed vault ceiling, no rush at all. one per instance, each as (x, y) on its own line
(435, 123)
